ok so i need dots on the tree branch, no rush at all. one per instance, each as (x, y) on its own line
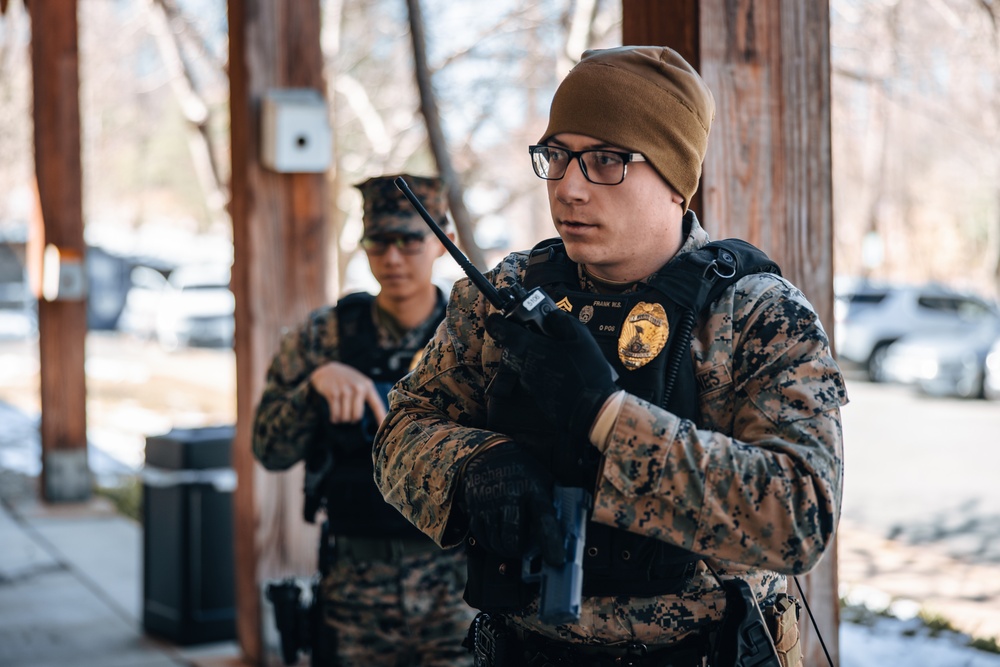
(439, 145)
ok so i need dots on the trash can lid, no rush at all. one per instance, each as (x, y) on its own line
(191, 448)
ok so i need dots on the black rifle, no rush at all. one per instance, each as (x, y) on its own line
(562, 586)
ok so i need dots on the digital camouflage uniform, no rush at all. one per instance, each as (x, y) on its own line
(403, 608)
(756, 491)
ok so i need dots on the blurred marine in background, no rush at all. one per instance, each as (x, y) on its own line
(387, 594)
(684, 386)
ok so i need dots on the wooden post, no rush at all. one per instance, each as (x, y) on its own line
(768, 173)
(279, 275)
(674, 24)
(62, 321)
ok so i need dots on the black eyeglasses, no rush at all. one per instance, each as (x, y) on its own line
(601, 167)
(408, 244)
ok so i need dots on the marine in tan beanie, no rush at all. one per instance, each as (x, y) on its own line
(645, 99)
(689, 431)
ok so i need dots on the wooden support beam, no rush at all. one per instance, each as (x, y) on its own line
(279, 275)
(62, 323)
(674, 24)
(768, 172)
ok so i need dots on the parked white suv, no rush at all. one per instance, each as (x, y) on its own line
(197, 307)
(869, 317)
(194, 306)
(991, 374)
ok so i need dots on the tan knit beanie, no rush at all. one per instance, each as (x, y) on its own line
(646, 99)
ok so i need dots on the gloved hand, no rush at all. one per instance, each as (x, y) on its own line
(564, 370)
(507, 495)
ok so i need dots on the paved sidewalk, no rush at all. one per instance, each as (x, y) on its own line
(70, 588)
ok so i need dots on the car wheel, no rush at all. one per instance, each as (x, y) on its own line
(876, 363)
(970, 381)
(990, 387)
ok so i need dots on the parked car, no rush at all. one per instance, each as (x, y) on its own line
(946, 364)
(198, 308)
(142, 301)
(192, 306)
(18, 310)
(870, 317)
(991, 380)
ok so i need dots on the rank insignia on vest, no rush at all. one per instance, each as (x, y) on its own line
(643, 336)
(564, 304)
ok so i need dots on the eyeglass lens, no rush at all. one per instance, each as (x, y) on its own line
(408, 244)
(600, 167)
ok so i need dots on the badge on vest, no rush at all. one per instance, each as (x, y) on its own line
(644, 335)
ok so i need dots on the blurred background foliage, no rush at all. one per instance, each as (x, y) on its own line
(915, 120)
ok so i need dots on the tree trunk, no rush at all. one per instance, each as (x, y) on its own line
(439, 145)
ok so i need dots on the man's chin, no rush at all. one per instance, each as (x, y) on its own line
(579, 251)
(397, 291)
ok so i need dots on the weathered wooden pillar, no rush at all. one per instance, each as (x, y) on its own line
(768, 172)
(674, 24)
(57, 236)
(279, 275)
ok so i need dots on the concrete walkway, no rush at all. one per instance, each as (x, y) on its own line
(70, 588)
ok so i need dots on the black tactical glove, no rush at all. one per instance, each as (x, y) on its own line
(508, 497)
(563, 370)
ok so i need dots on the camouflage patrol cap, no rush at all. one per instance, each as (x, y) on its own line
(387, 210)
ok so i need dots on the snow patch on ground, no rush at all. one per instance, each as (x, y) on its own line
(907, 643)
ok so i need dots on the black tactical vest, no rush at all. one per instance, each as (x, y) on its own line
(354, 505)
(655, 364)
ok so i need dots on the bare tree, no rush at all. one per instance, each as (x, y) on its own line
(916, 142)
(991, 10)
(167, 24)
(439, 145)
(489, 75)
(15, 106)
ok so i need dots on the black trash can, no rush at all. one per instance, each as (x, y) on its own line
(187, 512)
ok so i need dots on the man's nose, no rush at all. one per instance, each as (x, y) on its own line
(393, 253)
(573, 185)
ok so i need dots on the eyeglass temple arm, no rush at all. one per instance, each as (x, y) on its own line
(485, 286)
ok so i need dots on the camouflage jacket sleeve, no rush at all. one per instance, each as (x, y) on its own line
(437, 413)
(289, 410)
(760, 484)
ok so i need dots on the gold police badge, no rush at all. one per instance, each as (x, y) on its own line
(643, 336)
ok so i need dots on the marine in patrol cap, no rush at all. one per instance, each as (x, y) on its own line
(388, 211)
